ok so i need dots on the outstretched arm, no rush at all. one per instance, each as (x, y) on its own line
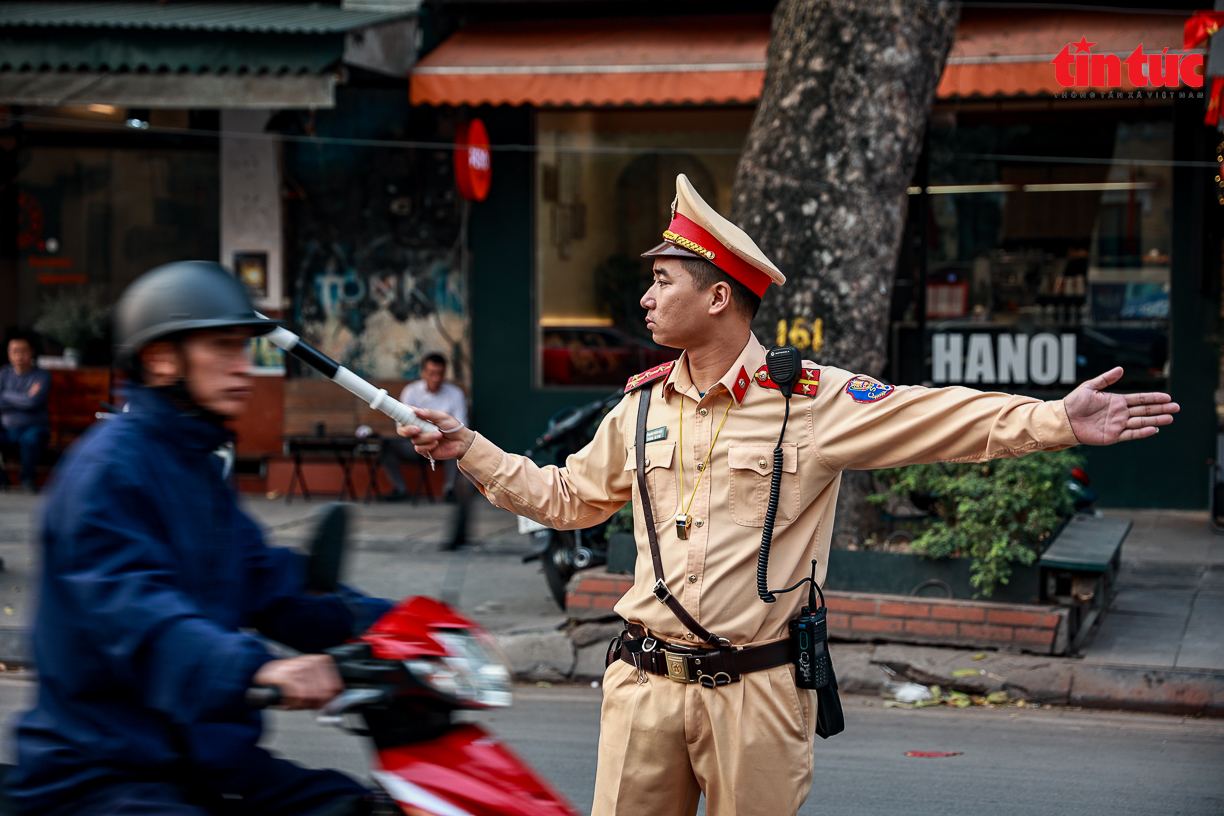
(591, 487)
(1099, 418)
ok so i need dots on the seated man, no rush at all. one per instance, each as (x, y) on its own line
(151, 574)
(24, 388)
(434, 393)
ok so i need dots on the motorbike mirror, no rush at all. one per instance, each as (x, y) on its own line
(327, 548)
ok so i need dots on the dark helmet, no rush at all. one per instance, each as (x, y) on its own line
(180, 297)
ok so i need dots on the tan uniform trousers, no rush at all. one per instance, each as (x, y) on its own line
(747, 745)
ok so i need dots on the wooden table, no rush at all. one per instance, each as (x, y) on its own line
(344, 451)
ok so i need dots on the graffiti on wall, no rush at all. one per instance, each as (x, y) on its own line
(374, 265)
(381, 308)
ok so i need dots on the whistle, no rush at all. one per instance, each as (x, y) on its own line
(683, 523)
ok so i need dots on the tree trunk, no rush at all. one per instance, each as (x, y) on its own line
(821, 184)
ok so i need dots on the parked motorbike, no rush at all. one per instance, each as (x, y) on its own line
(563, 552)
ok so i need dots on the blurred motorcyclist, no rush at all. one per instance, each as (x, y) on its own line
(152, 573)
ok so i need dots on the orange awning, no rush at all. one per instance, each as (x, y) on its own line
(718, 59)
(1008, 53)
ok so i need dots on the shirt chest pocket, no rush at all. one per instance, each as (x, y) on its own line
(660, 478)
(751, 473)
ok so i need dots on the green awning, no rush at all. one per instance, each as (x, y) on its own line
(278, 18)
(184, 54)
(174, 52)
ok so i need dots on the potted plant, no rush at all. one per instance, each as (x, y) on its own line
(73, 319)
(989, 520)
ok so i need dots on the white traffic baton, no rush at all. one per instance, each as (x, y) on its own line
(377, 398)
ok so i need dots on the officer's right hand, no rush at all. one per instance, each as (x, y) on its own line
(451, 445)
(308, 681)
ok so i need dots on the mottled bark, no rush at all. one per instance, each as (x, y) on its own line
(821, 184)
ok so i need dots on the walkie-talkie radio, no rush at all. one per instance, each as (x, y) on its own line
(784, 366)
(810, 641)
(810, 631)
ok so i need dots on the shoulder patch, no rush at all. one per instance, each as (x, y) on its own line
(650, 375)
(862, 389)
(808, 383)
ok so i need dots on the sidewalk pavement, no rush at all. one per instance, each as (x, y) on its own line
(1156, 649)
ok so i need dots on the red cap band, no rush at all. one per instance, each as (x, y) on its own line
(726, 260)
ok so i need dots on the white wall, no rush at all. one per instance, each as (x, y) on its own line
(251, 218)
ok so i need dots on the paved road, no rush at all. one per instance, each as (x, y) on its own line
(1015, 763)
(394, 552)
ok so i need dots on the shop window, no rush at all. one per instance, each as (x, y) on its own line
(1047, 243)
(94, 219)
(605, 181)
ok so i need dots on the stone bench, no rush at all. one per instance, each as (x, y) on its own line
(1079, 569)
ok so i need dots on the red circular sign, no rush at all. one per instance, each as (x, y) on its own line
(473, 160)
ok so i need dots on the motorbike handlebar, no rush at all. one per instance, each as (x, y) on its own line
(263, 696)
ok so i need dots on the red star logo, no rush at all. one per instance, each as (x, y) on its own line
(1083, 45)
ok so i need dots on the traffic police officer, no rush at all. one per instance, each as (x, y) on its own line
(687, 720)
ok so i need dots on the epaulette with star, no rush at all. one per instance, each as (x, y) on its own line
(649, 375)
(807, 385)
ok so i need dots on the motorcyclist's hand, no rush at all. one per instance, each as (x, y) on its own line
(451, 445)
(308, 681)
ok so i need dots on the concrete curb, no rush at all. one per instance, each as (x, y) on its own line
(554, 655)
(1053, 680)
(15, 649)
(1039, 679)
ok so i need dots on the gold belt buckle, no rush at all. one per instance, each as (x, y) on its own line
(678, 668)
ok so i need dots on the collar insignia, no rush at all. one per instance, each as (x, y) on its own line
(740, 386)
(650, 375)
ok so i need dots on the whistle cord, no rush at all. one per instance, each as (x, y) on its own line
(775, 491)
(704, 467)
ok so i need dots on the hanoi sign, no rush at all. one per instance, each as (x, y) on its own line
(1003, 359)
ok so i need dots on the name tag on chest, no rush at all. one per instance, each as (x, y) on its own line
(657, 434)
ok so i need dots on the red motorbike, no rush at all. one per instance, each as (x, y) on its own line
(405, 678)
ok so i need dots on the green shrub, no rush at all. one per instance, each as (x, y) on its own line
(996, 512)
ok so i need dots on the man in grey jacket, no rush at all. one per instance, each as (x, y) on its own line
(24, 388)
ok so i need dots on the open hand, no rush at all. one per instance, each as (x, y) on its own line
(1098, 418)
(452, 445)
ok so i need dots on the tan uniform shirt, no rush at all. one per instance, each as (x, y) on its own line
(846, 425)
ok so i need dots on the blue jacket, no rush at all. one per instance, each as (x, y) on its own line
(151, 573)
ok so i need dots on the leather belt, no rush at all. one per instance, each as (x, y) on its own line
(709, 667)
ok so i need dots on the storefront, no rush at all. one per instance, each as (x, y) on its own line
(1051, 235)
(143, 133)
